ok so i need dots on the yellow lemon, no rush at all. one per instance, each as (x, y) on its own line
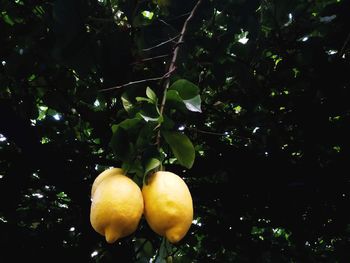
(117, 205)
(102, 176)
(168, 205)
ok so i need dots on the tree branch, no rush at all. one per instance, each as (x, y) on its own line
(168, 25)
(172, 66)
(175, 54)
(149, 59)
(342, 51)
(161, 44)
(166, 75)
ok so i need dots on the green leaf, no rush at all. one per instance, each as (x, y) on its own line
(148, 112)
(147, 14)
(168, 123)
(152, 160)
(181, 146)
(126, 103)
(145, 136)
(32, 77)
(148, 249)
(163, 252)
(147, 119)
(135, 168)
(173, 95)
(121, 142)
(129, 123)
(194, 104)
(175, 101)
(151, 95)
(7, 19)
(114, 127)
(152, 164)
(139, 99)
(186, 89)
(126, 167)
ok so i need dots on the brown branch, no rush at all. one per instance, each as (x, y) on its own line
(168, 25)
(166, 75)
(149, 59)
(175, 53)
(161, 44)
(179, 16)
(172, 66)
(342, 51)
(208, 132)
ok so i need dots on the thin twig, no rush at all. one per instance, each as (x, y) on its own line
(168, 25)
(344, 45)
(221, 134)
(172, 66)
(161, 44)
(208, 132)
(179, 16)
(175, 53)
(139, 81)
(149, 59)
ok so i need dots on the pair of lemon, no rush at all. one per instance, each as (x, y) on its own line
(118, 204)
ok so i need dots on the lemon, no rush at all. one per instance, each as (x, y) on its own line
(103, 175)
(168, 205)
(117, 205)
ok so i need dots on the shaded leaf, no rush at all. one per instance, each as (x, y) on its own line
(126, 103)
(168, 123)
(173, 95)
(185, 88)
(174, 100)
(151, 164)
(127, 124)
(181, 146)
(121, 142)
(136, 168)
(146, 134)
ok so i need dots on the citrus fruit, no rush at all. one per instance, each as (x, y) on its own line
(168, 205)
(103, 175)
(116, 205)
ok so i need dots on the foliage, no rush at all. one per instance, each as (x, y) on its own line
(257, 108)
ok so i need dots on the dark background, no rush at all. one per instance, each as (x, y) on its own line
(270, 182)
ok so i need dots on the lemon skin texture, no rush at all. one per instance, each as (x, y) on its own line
(168, 205)
(103, 175)
(117, 206)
